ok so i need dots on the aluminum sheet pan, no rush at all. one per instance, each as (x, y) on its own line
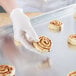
(63, 58)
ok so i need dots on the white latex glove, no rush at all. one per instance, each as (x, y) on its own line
(23, 30)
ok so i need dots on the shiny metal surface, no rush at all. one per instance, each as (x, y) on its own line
(63, 58)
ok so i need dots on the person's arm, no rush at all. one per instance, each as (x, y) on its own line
(22, 28)
(9, 5)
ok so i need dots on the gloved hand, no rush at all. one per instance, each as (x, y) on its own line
(23, 30)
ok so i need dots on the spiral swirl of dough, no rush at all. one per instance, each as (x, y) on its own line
(44, 44)
(72, 39)
(73, 36)
(6, 70)
(56, 22)
(72, 73)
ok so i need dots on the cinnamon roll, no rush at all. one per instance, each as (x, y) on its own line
(6, 70)
(44, 44)
(72, 39)
(72, 73)
(55, 26)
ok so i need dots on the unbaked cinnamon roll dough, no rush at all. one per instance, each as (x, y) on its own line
(55, 26)
(7, 70)
(44, 44)
(72, 39)
(72, 73)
